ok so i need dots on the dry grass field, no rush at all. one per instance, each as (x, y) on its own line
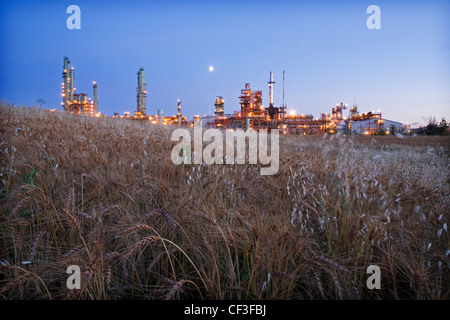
(104, 194)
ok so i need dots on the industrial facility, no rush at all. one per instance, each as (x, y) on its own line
(77, 103)
(376, 126)
(252, 114)
(141, 109)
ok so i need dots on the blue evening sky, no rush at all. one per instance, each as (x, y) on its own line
(329, 54)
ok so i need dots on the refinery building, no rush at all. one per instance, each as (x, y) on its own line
(252, 115)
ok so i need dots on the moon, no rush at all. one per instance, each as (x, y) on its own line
(211, 68)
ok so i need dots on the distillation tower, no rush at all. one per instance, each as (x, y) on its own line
(76, 102)
(141, 92)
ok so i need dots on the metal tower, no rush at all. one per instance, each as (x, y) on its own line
(141, 92)
(179, 112)
(95, 98)
(271, 82)
(219, 106)
(66, 92)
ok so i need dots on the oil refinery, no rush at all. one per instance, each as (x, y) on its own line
(252, 114)
(73, 102)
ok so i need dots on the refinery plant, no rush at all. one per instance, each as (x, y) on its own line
(252, 113)
(73, 102)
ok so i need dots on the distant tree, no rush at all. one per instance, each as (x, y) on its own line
(434, 128)
(392, 129)
(40, 102)
(430, 128)
(443, 126)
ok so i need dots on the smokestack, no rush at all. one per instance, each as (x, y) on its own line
(283, 89)
(141, 92)
(271, 89)
(95, 98)
(160, 116)
(71, 74)
(179, 112)
(66, 83)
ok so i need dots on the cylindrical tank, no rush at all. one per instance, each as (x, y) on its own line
(95, 98)
(71, 80)
(247, 124)
(141, 92)
(66, 83)
(160, 116)
(141, 78)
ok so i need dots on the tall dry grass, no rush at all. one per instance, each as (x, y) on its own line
(103, 194)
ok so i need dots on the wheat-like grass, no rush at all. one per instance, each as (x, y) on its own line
(176, 288)
(135, 229)
(142, 243)
(103, 194)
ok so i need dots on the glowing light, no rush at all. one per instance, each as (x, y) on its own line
(292, 112)
(211, 68)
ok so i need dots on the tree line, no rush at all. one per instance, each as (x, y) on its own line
(434, 128)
